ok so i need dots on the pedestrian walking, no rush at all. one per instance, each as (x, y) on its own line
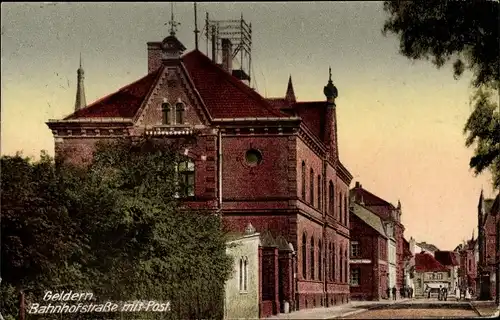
(394, 292)
(440, 292)
(446, 294)
(411, 293)
(388, 291)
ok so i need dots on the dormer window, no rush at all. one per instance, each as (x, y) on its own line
(179, 113)
(166, 111)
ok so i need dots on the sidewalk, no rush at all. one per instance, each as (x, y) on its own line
(344, 310)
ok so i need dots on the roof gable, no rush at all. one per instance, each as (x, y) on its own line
(370, 199)
(123, 103)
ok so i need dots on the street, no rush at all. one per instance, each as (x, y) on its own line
(425, 308)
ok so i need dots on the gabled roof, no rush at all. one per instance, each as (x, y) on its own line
(123, 103)
(370, 218)
(370, 199)
(446, 258)
(224, 95)
(425, 262)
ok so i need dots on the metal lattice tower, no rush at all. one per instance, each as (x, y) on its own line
(240, 34)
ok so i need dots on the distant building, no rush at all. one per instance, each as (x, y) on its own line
(391, 217)
(368, 255)
(427, 247)
(467, 272)
(488, 218)
(450, 260)
(409, 265)
(429, 274)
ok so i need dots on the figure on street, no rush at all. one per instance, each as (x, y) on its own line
(394, 292)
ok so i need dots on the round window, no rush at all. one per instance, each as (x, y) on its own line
(253, 157)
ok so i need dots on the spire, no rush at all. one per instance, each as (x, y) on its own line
(173, 24)
(399, 204)
(80, 101)
(290, 94)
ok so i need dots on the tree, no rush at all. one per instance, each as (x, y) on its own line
(466, 32)
(114, 228)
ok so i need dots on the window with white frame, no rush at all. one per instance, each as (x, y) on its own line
(243, 274)
(355, 277)
(185, 177)
(355, 249)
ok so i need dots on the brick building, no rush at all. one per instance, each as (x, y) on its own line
(273, 163)
(488, 246)
(368, 255)
(391, 217)
(467, 272)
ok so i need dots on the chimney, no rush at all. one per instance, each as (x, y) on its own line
(227, 55)
(358, 185)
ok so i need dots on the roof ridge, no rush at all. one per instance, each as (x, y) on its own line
(387, 202)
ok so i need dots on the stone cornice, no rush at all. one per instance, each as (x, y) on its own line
(312, 141)
(343, 173)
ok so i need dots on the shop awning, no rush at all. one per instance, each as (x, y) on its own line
(435, 285)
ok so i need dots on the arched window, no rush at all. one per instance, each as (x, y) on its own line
(179, 113)
(165, 109)
(304, 256)
(245, 274)
(185, 169)
(319, 192)
(320, 261)
(303, 173)
(313, 274)
(311, 187)
(331, 197)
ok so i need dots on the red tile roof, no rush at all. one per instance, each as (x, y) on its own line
(425, 262)
(224, 95)
(124, 103)
(446, 258)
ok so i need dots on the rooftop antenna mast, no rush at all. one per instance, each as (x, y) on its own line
(240, 34)
(196, 31)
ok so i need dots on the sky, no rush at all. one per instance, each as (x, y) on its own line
(400, 122)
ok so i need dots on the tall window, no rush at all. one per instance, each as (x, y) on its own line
(165, 109)
(304, 256)
(320, 261)
(185, 170)
(319, 192)
(346, 265)
(329, 262)
(340, 207)
(341, 264)
(355, 249)
(346, 208)
(243, 271)
(313, 274)
(331, 197)
(303, 173)
(311, 187)
(179, 113)
(334, 260)
(355, 275)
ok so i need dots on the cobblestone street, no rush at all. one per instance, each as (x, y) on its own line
(415, 313)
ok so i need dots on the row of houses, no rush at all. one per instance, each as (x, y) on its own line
(480, 257)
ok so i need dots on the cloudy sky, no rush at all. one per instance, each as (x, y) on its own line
(400, 122)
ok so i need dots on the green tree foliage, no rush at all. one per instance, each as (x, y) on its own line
(113, 228)
(466, 32)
